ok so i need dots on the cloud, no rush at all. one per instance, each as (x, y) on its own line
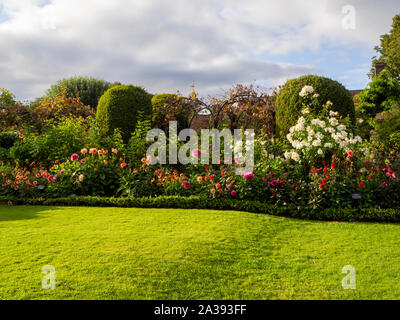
(166, 46)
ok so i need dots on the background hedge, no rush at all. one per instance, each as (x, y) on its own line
(288, 104)
(89, 90)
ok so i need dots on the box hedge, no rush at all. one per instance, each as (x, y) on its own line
(330, 214)
(119, 107)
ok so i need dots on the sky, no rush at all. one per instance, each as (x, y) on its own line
(166, 46)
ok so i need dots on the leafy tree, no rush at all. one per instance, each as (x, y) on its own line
(16, 117)
(389, 50)
(381, 94)
(244, 107)
(89, 90)
(241, 107)
(387, 131)
(57, 109)
(37, 116)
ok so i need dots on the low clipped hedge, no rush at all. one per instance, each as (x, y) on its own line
(330, 214)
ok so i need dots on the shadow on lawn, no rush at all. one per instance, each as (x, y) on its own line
(11, 213)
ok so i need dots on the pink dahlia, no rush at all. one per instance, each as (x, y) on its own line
(196, 153)
(249, 176)
(186, 184)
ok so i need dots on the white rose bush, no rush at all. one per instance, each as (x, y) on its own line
(317, 137)
(332, 161)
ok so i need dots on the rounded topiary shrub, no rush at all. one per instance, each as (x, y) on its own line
(158, 103)
(288, 104)
(119, 107)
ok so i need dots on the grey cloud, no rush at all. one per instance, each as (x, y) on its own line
(165, 46)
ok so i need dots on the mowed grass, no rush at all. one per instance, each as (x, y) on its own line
(118, 253)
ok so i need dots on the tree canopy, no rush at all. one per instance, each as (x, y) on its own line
(389, 50)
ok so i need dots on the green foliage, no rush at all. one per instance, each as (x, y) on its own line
(89, 90)
(94, 174)
(17, 117)
(7, 139)
(158, 102)
(53, 110)
(6, 98)
(389, 50)
(289, 103)
(137, 184)
(119, 108)
(382, 93)
(4, 154)
(389, 197)
(173, 107)
(388, 130)
(137, 145)
(96, 140)
(394, 141)
(38, 115)
(58, 142)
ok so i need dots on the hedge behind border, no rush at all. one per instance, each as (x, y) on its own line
(330, 214)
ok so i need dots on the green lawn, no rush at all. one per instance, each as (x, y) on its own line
(117, 253)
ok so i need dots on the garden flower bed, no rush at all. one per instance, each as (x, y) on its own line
(320, 170)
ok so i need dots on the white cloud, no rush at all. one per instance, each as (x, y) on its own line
(169, 45)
